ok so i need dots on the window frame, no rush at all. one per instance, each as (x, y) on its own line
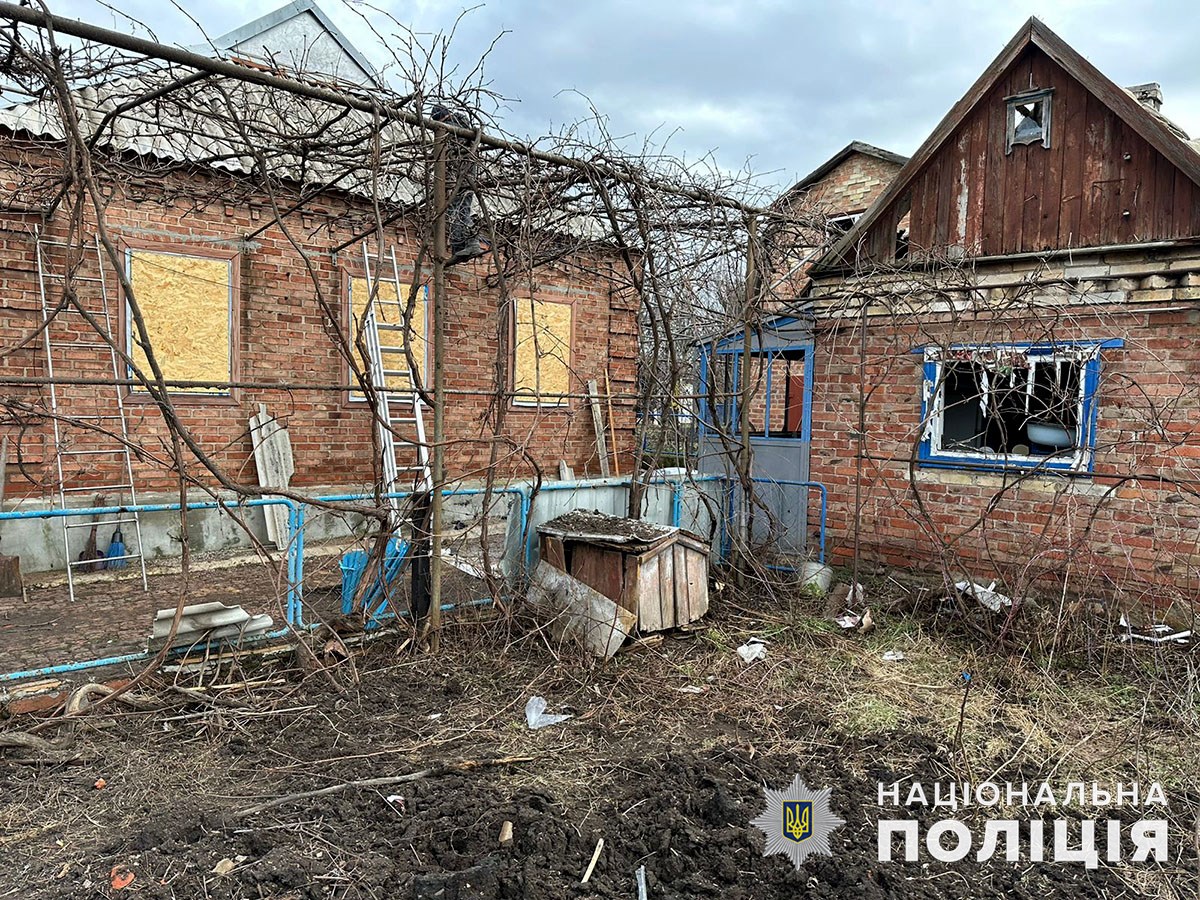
(535, 401)
(353, 395)
(138, 394)
(1087, 353)
(1045, 96)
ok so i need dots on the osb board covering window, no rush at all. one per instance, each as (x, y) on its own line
(390, 311)
(186, 302)
(542, 353)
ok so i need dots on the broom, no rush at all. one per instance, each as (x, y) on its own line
(116, 551)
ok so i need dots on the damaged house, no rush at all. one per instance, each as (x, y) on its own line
(1005, 359)
(254, 227)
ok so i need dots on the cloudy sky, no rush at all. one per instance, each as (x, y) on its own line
(777, 84)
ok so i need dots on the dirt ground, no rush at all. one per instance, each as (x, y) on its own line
(665, 758)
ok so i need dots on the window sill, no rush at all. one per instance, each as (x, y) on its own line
(142, 398)
(999, 467)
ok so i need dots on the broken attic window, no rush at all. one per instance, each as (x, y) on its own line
(1011, 406)
(839, 225)
(1028, 119)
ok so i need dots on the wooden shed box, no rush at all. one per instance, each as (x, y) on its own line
(658, 573)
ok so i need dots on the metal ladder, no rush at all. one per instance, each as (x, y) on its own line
(101, 419)
(396, 407)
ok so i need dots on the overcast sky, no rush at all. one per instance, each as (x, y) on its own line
(781, 83)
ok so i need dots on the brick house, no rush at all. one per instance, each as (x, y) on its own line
(1006, 363)
(823, 205)
(232, 298)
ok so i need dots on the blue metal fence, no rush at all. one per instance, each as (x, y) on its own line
(297, 514)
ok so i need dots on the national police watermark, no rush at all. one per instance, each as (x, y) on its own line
(797, 822)
(1031, 838)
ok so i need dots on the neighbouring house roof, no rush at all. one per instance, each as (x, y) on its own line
(300, 37)
(1153, 127)
(836, 160)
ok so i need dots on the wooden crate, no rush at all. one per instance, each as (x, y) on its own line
(663, 582)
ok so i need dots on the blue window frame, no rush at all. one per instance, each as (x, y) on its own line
(1012, 406)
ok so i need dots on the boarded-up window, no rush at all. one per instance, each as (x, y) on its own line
(389, 313)
(542, 353)
(187, 304)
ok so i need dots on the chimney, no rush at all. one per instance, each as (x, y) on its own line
(1149, 95)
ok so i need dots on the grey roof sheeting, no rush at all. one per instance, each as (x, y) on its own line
(225, 124)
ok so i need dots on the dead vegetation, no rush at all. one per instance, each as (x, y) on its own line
(411, 769)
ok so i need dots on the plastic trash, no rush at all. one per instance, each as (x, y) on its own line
(753, 650)
(536, 717)
(848, 621)
(893, 656)
(988, 597)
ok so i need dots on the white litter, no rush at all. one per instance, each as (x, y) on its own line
(893, 656)
(692, 689)
(988, 596)
(536, 717)
(848, 620)
(753, 650)
(1162, 634)
(434, 716)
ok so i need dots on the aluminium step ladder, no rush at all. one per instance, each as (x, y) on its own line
(399, 406)
(89, 421)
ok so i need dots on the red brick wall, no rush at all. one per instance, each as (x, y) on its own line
(1130, 530)
(282, 336)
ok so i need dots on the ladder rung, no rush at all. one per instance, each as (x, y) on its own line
(403, 372)
(102, 522)
(105, 559)
(91, 452)
(100, 490)
(389, 326)
(98, 418)
(71, 277)
(99, 345)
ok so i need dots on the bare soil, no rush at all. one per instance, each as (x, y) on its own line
(669, 778)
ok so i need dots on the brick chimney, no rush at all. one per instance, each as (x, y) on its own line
(1149, 95)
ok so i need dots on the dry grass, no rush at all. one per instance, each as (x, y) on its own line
(817, 693)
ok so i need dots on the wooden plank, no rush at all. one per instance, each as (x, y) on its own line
(649, 608)
(1109, 193)
(1132, 172)
(697, 578)
(1070, 109)
(666, 586)
(553, 552)
(1093, 146)
(1164, 198)
(598, 427)
(679, 584)
(992, 234)
(578, 613)
(972, 235)
(600, 569)
(631, 568)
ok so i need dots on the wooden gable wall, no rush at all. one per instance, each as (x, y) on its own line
(1099, 183)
